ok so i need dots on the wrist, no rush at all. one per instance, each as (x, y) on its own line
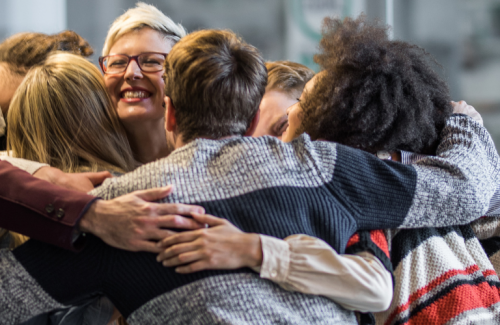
(43, 173)
(89, 219)
(254, 250)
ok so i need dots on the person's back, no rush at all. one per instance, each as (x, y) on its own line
(260, 184)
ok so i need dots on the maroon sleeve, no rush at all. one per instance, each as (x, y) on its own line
(39, 209)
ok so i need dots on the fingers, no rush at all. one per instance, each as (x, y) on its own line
(182, 259)
(208, 219)
(178, 208)
(177, 255)
(153, 194)
(189, 259)
(177, 222)
(135, 245)
(158, 234)
(183, 237)
(463, 108)
(146, 246)
(97, 178)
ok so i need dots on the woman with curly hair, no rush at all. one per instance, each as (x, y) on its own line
(373, 93)
(383, 97)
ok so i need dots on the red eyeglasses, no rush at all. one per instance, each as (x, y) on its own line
(118, 63)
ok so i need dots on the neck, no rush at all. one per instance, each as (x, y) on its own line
(148, 141)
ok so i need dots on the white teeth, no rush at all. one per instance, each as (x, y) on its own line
(135, 94)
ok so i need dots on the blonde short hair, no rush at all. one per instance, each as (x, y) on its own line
(143, 15)
(62, 115)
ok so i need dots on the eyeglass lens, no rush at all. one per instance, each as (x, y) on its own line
(149, 62)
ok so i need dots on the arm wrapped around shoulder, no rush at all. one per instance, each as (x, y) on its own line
(459, 181)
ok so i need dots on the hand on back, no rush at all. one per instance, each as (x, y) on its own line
(135, 222)
(222, 246)
(82, 182)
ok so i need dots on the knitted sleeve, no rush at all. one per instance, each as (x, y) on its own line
(458, 184)
(452, 188)
(21, 297)
(47, 277)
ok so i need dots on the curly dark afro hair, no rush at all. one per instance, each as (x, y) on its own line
(373, 93)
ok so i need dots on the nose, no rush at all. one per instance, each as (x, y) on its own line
(133, 72)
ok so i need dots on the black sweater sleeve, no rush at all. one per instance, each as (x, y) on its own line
(70, 278)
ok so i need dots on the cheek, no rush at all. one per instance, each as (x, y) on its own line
(160, 85)
(295, 118)
(111, 83)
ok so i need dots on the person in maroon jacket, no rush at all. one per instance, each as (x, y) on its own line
(35, 207)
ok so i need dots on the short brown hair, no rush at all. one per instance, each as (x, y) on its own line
(23, 51)
(216, 82)
(287, 76)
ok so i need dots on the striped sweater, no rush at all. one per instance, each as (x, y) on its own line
(443, 275)
(265, 186)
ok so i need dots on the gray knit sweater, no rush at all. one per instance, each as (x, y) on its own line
(261, 185)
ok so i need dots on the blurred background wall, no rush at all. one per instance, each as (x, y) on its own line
(462, 35)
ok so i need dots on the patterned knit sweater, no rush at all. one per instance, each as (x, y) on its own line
(443, 275)
(265, 186)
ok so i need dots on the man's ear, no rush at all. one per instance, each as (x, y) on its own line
(253, 124)
(170, 121)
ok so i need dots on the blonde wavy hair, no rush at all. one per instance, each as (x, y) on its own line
(62, 115)
(143, 15)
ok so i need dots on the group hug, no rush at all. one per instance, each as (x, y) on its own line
(192, 182)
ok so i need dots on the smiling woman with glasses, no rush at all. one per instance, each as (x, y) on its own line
(132, 62)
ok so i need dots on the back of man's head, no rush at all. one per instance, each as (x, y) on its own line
(215, 82)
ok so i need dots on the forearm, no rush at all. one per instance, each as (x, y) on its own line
(38, 209)
(309, 265)
(456, 186)
(409, 158)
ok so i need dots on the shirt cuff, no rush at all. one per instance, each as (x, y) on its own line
(26, 165)
(275, 259)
